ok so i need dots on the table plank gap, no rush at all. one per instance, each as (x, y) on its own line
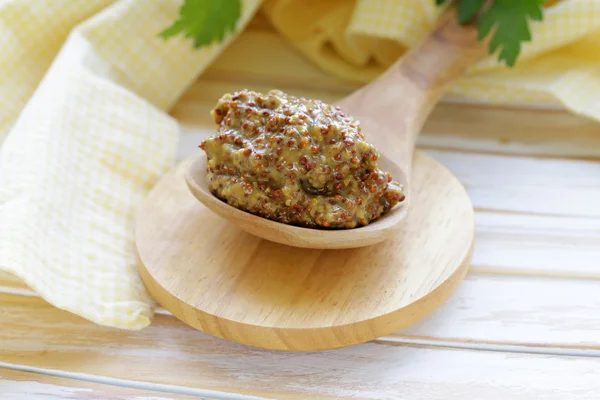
(19, 384)
(423, 145)
(112, 385)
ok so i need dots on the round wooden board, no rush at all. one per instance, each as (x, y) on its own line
(232, 285)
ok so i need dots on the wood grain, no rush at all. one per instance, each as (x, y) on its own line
(8, 280)
(19, 385)
(233, 285)
(168, 352)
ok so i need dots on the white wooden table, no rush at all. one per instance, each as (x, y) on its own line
(525, 324)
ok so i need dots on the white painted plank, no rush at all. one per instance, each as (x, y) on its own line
(522, 131)
(19, 385)
(524, 184)
(375, 371)
(525, 311)
(536, 245)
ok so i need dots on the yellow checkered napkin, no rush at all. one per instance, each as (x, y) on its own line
(90, 141)
(84, 85)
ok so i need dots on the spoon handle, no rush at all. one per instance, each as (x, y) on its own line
(406, 93)
(429, 68)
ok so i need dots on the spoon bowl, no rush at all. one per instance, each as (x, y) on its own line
(375, 232)
(391, 111)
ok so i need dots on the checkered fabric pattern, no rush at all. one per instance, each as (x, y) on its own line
(84, 85)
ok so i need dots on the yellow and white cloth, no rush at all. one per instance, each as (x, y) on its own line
(84, 89)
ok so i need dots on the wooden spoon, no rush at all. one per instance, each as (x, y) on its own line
(391, 110)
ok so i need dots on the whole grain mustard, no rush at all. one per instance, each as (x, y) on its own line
(297, 161)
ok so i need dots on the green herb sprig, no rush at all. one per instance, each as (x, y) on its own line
(509, 20)
(206, 21)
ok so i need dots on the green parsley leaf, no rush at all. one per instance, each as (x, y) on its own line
(466, 9)
(510, 20)
(205, 21)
